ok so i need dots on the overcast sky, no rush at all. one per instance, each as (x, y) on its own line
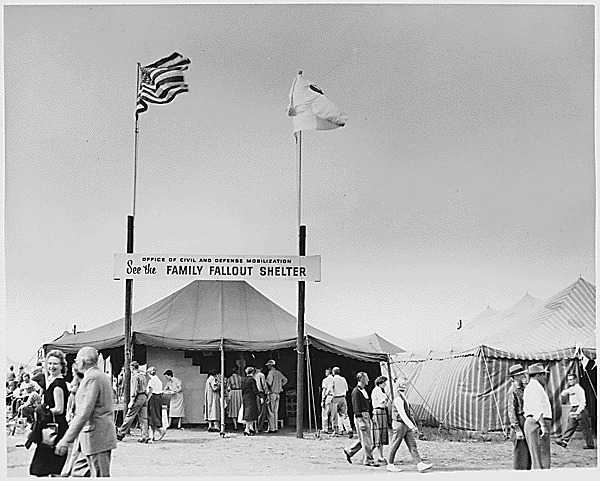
(463, 179)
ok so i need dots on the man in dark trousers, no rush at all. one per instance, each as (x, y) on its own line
(514, 406)
(578, 415)
(361, 404)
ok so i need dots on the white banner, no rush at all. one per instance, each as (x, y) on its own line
(217, 267)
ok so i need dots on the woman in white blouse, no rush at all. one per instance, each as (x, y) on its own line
(380, 401)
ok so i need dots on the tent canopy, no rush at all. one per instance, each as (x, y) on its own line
(205, 313)
(556, 328)
(376, 343)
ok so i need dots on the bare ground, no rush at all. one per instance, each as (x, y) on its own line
(195, 452)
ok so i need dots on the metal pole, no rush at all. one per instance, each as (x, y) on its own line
(129, 282)
(222, 348)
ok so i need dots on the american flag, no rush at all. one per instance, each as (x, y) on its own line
(161, 81)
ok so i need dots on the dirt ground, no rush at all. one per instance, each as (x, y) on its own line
(195, 452)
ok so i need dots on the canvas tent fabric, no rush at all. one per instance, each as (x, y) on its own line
(465, 386)
(205, 313)
(376, 343)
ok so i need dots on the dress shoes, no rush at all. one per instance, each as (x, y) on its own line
(348, 457)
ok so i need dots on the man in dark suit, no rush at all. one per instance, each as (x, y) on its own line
(93, 415)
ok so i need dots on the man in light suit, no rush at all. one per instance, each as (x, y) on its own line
(93, 416)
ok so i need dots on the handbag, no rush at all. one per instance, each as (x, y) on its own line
(50, 432)
(240, 417)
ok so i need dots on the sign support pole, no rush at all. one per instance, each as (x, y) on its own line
(300, 368)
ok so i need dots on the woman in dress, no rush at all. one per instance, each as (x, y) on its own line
(173, 389)
(380, 402)
(249, 401)
(212, 401)
(54, 406)
(234, 396)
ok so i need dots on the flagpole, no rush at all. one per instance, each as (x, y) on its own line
(128, 355)
(300, 368)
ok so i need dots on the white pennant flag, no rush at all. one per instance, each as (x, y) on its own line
(310, 109)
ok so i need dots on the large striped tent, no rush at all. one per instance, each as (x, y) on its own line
(462, 382)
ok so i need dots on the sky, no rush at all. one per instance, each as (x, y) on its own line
(464, 178)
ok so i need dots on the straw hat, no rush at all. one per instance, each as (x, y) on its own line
(536, 369)
(515, 370)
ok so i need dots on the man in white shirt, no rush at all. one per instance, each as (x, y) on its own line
(538, 417)
(404, 429)
(578, 414)
(339, 405)
(326, 397)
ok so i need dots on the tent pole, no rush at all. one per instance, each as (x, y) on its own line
(308, 387)
(222, 349)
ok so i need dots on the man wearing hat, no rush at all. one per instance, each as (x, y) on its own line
(514, 405)
(138, 405)
(275, 382)
(538, 417)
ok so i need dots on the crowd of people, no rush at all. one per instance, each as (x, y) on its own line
(374, 415)
(73, 425)
(251, 401)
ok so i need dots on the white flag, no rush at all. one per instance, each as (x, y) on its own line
(310, 109)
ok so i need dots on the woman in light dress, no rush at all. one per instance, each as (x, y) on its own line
(234, 396)
(176, 407)
(212, 401)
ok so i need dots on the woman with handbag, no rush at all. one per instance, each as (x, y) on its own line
(51, 418)
(249, 402)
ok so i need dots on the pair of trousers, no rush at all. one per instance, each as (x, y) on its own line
(364, 427)
(339, 414)
(521, 456)
(139, 409)
(273, 411)
(262, 412)
(99, 464)
(402, 432)
(539, 446)
(326, 413)
(584, 421)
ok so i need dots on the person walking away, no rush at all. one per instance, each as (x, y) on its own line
(339, 405)
(155, 390)
(45, 460)
(261, 384)
(514, 406)
(275, 383)
(326, 398)
(404, 429)
(538, 417)
(94, 415)
(250, 401)
(234, 396)
(578, 415)
(361, 404)
(137, 406)
(380, 401)
(176, 406)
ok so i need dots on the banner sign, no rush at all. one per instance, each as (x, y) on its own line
(217, 267)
